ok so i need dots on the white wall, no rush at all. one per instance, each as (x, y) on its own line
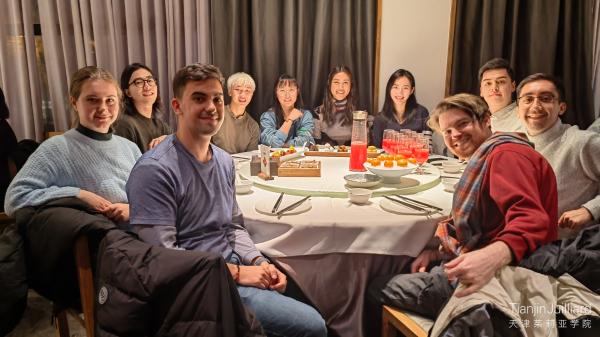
(414, 36)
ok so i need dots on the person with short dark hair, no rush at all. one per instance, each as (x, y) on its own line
(182, 196)
(141, 122)
(333, 123)
(573, 153)
(239, 132)
(286, 123)
(504, 208)
(400, 108)
(497, 83)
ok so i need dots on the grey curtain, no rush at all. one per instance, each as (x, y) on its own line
(552, 36)
(19, 74)
(303, 38)
(163, 34)
(596, 59)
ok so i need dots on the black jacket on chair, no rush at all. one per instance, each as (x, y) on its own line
(144, 290)
(141, 290)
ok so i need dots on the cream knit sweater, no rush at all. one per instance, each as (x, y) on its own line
(575, 157)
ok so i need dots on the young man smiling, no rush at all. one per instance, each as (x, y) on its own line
(573, 153)
(183, 197)
(239, 132)
(504, 208)
(496, 79)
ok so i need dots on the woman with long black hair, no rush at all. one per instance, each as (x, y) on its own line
(400, 108)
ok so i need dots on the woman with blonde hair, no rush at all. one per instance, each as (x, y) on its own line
(87, 162)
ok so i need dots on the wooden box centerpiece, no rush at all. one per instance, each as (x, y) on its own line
(300, 168)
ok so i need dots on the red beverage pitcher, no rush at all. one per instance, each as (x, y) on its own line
(358, 145)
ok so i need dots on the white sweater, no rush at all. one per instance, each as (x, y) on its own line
(62, 165)
(575, 157)
(507, 120)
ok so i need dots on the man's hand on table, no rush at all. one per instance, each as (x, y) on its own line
(476, 268)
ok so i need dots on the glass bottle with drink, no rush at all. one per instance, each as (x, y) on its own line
(358, 144)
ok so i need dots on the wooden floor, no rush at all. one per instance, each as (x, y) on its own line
(36, 321)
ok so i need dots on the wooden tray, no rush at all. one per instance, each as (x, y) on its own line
(286, 171)
(337, 154)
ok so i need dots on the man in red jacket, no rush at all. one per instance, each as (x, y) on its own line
(504, 208)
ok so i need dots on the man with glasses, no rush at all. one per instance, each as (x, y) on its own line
(239, 132)
(497, 84)
(574, 154)
(504, 208)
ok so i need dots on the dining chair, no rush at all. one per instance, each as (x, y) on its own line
(86, 291)
(409, 324)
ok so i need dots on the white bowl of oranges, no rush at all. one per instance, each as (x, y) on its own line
(391, 167)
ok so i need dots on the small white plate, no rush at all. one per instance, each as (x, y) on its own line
(265, 206)
(362, 180)
(394, 207)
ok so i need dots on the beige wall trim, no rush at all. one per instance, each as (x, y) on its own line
(450, 48)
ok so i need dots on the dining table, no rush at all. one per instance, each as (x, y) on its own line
(331, 247)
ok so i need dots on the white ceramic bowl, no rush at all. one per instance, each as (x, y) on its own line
(390, 174)
(359, 195)
(449, 184)
(451, 166)
(243, 186)
(362, 180)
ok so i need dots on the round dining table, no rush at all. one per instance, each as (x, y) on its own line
(331, 247)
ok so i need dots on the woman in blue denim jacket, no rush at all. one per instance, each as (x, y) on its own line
(286, 123)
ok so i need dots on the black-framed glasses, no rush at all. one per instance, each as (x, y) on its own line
(543, 98)
(139, 82)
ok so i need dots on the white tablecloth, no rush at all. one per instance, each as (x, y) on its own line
(335, 249)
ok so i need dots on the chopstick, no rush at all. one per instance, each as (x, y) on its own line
(409, 205)
(292, 206)
(277, 203)
(419, 202)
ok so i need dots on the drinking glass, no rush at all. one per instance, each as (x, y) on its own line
(387, 137)
(421, 153)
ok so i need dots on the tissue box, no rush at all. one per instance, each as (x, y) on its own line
(255, 166)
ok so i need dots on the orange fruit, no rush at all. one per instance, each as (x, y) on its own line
(388, 163)
(412, 160)
(399, 156)
(375, 162)
(402, 162)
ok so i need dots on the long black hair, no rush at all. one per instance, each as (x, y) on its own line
(389, 111)
(282, 81)
(128, 101)
(329, 102)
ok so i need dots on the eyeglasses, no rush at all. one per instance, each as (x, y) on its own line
(543, 98)
(139, 82)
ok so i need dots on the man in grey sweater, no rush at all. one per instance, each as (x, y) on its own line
(497, 84)
(572, 153)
